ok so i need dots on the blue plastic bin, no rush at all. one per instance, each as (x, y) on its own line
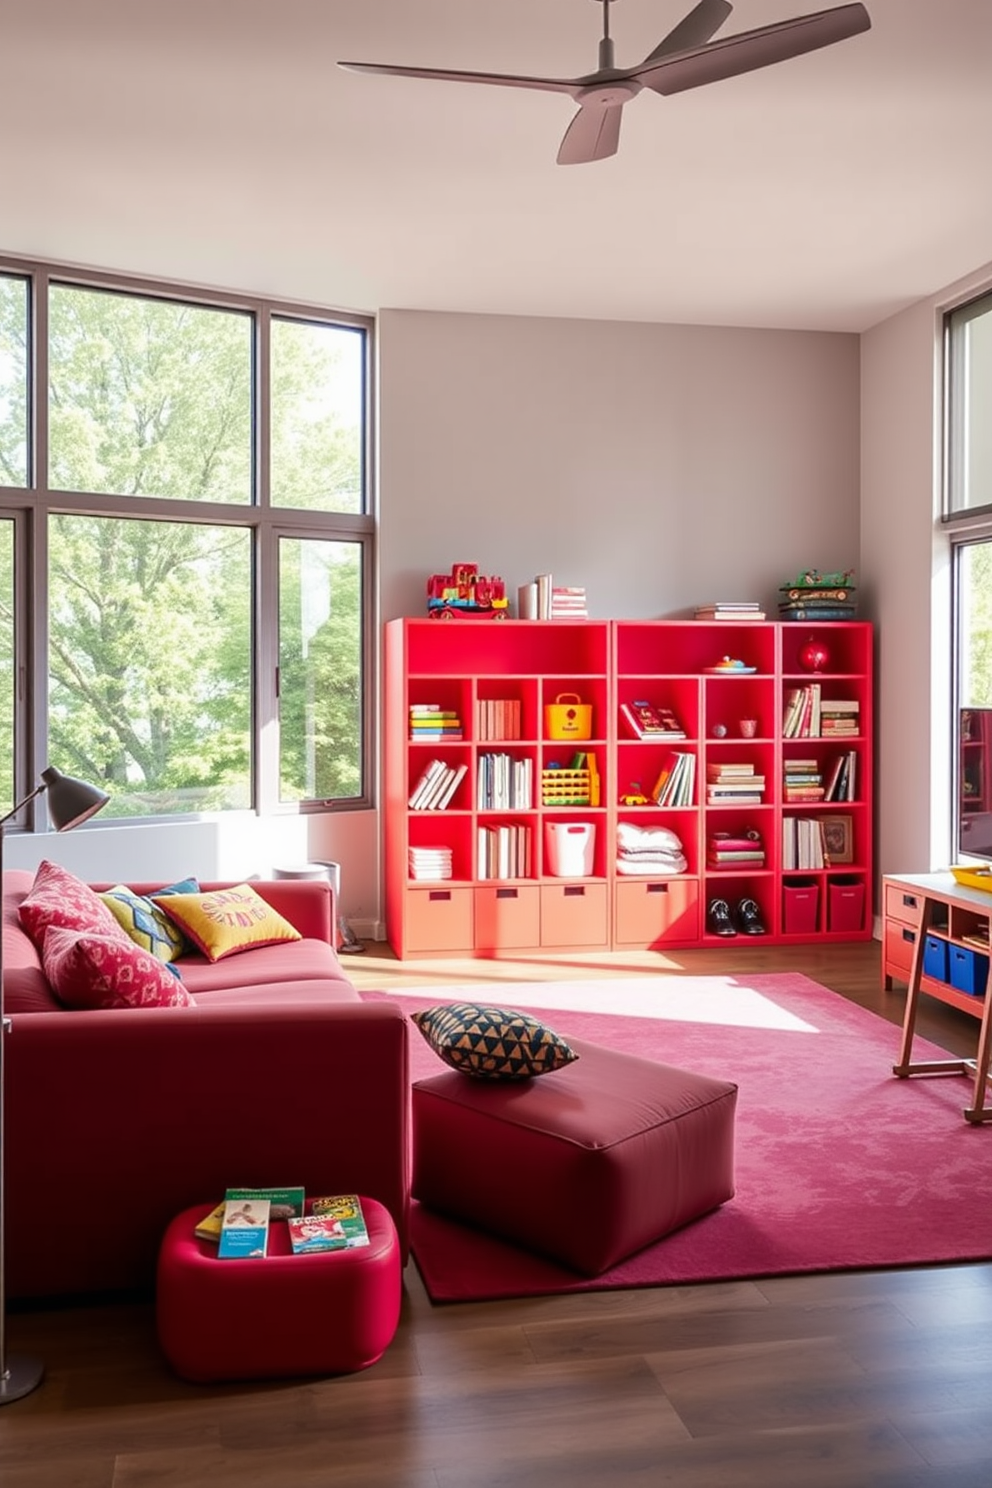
(969, 970)
(935, 958)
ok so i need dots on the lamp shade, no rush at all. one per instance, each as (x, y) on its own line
(71, 801)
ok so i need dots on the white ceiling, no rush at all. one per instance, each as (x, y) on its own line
(217, 142)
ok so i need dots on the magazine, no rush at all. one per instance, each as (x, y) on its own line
(334, 1222)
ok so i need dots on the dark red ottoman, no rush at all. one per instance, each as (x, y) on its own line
(331, 1312)
(587, 1164)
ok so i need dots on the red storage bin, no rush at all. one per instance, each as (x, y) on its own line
(846, 905)
(800, 906)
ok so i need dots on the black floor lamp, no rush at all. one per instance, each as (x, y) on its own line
(70, 802)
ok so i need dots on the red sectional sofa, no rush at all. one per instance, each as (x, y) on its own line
(117, 1119)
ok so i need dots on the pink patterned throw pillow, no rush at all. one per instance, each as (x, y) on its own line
(107, 971)
(58, 897)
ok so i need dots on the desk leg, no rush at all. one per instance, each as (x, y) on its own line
(978, 1111)
(906, 1067)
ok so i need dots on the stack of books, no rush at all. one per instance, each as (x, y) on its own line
(430, 722)
(745, 851)
(734, 785)
(730, 609)
(839, 716)
(802, 780)
(436, 786)
(816, 596)
(430, 864)
(568, 603)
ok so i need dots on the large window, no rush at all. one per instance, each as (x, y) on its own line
(968, 426)
(972, 574)
(967, 512)
(191, 479)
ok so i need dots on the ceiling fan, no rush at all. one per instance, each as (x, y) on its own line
(685, 58)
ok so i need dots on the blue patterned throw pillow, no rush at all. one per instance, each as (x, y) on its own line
(147, 925)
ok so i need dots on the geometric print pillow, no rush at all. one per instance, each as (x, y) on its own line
(147, 925)
(492, 1043)
(107, 971)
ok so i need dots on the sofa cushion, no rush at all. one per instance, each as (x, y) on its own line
(492, 1043)
(107, 971)
(58, 897)
(145, 923)
(297, 961)
(282, 995)
(226, 921)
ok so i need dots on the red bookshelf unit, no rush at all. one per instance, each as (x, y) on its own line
(516, 815)
(569, 831)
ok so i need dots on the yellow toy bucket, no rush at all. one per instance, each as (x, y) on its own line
(568, 717)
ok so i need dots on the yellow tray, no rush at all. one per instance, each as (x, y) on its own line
(973, 878)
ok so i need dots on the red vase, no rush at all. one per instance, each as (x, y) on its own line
(814, 656)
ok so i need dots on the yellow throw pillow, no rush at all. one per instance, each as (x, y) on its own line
(225, 921)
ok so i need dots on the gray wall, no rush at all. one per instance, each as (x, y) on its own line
(906, 556)
(660, 466)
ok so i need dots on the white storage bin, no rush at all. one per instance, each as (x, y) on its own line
(570, 847)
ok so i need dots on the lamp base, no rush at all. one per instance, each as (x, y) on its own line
(24, 1374)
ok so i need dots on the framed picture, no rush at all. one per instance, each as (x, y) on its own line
(838, 839)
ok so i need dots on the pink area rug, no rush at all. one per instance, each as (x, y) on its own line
(839, 1165)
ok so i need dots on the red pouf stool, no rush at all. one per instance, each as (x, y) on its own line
(329, 1312)
(587, 1164)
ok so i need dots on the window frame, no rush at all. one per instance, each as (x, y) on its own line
(967, 536)
(964, 526)
(955, 377)
(30, 508)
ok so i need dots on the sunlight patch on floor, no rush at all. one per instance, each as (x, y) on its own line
(726, 1000)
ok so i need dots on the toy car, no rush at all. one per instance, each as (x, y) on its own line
(634, 797)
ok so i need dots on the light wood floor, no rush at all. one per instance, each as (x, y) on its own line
(856, 1380)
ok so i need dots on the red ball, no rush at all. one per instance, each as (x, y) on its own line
(814, 656)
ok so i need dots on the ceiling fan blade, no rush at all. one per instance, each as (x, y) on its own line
(500, 80)
(698, 26)
(748, 50)
(593, 134)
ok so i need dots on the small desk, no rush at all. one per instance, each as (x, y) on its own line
(944, 906)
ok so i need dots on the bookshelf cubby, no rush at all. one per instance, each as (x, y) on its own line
(501, 677)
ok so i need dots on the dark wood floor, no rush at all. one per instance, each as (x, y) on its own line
(872, 1380)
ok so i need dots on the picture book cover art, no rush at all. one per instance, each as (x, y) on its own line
(333, 1222)
(284, 1203)
(649, 719)
(244, 1232)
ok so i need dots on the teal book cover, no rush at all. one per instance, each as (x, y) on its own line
(244, 1230)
